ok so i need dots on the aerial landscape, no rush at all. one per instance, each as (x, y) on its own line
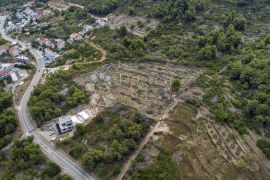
(134, 89)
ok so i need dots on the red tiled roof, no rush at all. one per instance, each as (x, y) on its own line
(3, 72)
(3, 47)
(13, 48)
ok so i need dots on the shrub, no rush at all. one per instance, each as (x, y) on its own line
(51, 170)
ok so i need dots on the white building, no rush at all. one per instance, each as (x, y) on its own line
(49, 55)
(60, 44)
(75, 37)
(64, 124)
(101, 22)
(86, 29)
(14, 77)
(22, 59)
(6, 66)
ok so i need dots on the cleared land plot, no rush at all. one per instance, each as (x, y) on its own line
(137, 25)
(145, 86)
(190, 148)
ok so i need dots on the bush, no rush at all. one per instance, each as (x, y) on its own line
(267, 39)
(80, 130)
(76, 151)
(208, 52)
(51, 170)
(176, 85)
(265, 147)
(162, 168)
(194, 102)
(2, 41)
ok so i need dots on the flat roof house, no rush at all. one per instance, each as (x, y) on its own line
(75, 37)
(50, 55)
(60, 44)
(22, 59)
(101, 22)
(13, 76)
(6, 66)
(64, 124)
(45, 42)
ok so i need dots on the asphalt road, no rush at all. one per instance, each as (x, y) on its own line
(55, 155)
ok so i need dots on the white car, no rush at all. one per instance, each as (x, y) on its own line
(52, 133)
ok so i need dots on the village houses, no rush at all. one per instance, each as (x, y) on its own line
(45, 42)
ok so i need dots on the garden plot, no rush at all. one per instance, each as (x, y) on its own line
(137, 25)
(145, 86)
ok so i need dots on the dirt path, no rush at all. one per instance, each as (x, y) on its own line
(98, 48)
(126, 166)
(103, 52)
(76, 5)
(135, 154)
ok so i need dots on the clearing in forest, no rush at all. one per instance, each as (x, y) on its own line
(137, 25)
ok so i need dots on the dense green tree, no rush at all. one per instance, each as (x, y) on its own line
(5, 99)
(8, 122)
(267, 39)
(170, 10)
(162, 168)
(176, 85)
(80, 130)
(122, 31)
(235, 70)
(234, 19)
(131, 11)
(103, 7)
(208, 52)
(51, 170)
(48, 102)
(92, 157)
(265, 147)
(77, 151)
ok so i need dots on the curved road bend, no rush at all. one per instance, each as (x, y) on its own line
(55, 155)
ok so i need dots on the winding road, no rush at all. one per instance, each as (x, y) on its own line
(55, 155)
